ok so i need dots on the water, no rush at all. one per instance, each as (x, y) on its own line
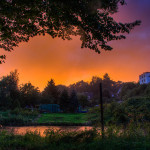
(41, 129)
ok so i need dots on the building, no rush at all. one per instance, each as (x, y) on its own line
(51, 108)
(144, 78)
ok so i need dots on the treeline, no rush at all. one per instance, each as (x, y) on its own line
(12, 94)
(69, 98)
(110, 88)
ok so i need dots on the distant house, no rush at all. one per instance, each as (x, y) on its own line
(144, 78)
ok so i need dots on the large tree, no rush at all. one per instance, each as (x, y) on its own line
(64, 101)
(29, 95)
(51, 94)
(9, 91)
(90, 19)
(74, 104)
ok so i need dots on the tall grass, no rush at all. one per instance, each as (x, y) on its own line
(17, 117)
(115, 139)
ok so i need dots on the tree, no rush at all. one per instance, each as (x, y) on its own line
(79, 86)
(30, 95)
(74, 104)
(91, 20)
(107, 86)
(94, 86)
(51, 93)
(83, 101)
(126, 90)
(64, 101)
(9, 90)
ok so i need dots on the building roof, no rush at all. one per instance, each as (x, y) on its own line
(144, 73)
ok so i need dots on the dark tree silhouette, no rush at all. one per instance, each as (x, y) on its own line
(9, 90)
(74, 104)
(83, 101)
(89, 19)
(29, 95)
(64, 101)
(51, 93)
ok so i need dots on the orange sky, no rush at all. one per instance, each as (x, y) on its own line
(43, 58)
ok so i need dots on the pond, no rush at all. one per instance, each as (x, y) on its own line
(41, 129)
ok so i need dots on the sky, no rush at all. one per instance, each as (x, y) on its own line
(43, 58)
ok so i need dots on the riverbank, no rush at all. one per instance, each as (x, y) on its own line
(41, 129)
(86, 140)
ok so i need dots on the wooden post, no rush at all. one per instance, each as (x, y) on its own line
(102, 111)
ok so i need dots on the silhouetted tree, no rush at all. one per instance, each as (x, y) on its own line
(64, 101)
(126, 90)
(74, 104)
(107, 86)
(51, 94)
(15, 104)
(29, 95)
(94, 86)
(89, 19)
(83, 101)
(80, 86)
(9, 90)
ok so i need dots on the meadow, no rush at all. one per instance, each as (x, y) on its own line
(62, 118)
(21, 117)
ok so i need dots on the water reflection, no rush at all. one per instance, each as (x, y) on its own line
(41, 129)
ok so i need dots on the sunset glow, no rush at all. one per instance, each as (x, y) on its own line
(43, 58)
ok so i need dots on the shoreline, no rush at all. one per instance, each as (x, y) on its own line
(48, 124)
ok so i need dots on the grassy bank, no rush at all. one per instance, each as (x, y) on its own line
(62, 118)
(26, 117)
(87, 140)
(18, 117)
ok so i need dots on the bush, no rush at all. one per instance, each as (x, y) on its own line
(25, 112)
(13, 120)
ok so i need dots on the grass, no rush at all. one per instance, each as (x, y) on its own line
(17, 117)
(76, 118)
(81, 140)
(25, 117)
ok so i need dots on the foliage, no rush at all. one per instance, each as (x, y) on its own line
(131, 89)
(24, 112)
(29, 95)
(91, 20)
(17, 116)
(83, 101)
(62, 140)
(133, 110)
(126, 89)
(64, 101)
(138, 109)
(50, 94)
(110, 89)
(14, 120)
(9, 90)
(16, 105)
(74, 104)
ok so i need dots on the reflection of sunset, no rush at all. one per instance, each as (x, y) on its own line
(42, 130)
(43, 58)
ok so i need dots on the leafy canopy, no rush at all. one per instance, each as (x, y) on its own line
(91, 20)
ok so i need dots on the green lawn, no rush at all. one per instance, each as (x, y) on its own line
(62, 118)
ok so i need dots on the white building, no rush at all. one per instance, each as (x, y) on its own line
(144, 78)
